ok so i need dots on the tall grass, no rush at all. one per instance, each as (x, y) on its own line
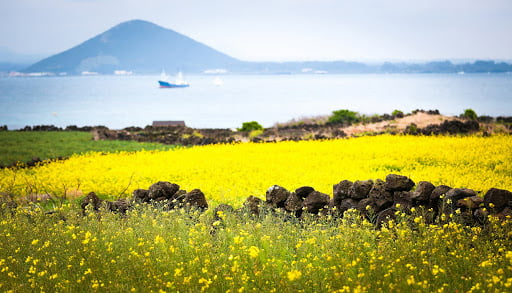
(150, 250)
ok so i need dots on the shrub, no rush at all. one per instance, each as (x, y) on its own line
(344, 116)
(398, 114)
(255, 133)
(250, 126)
(469, 114)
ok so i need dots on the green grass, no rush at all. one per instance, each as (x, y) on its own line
(23, 146)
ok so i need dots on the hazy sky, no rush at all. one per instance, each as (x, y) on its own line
(278, 30)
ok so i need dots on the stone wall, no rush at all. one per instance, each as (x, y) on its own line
(376, 199)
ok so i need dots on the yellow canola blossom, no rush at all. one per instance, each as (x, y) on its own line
(229, 173)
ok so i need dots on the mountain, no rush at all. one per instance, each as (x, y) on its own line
(138, 46)
(144, 47)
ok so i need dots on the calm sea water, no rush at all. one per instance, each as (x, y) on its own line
(121, 101)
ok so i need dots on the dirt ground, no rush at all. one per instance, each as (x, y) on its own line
(420, 119)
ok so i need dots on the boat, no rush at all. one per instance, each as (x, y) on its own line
(179, 82)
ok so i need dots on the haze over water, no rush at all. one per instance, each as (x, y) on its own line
(122, 101)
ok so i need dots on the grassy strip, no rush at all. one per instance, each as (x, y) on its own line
(23, 146)
(154, 251)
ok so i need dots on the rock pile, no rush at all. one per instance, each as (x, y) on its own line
(166, 194)
(447, 127)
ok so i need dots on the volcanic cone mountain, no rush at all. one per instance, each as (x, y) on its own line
(138, 46)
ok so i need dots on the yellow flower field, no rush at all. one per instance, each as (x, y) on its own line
(153, 250)
(230, 173)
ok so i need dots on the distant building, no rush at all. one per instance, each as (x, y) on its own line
(168, 123)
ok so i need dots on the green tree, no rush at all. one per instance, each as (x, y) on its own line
(344, 116)
(470, 114)
(250, 126)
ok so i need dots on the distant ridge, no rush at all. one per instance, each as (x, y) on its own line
(135, 45)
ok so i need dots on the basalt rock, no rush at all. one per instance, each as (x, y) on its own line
(385, 216)
(382, 198)
(93, 200)
(456, 194)
(196, 199)
(470, 203)
(398, 183)
(367, 206)
(437, 193)
(253, 204)
(423, 192)
(162, 189)
(345, 205)
(360, 189)
(341, 191)
(120, 206)
(141, 195)
(505, 214)
(293, 203)
(277, 195)
(480, 215)
(304, 191)
(497, 199)
(316, 201)
(403, 198)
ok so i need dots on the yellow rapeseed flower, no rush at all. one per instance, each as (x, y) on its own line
(293, 275)
(253, 251)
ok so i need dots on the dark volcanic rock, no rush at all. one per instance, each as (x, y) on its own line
(341, 191)
(316, 201)
(366, 205)
(253, 204)
(436, 194)
(93, 200)
(398, 183)
(382, 198)
(196, 199)
(497, 199)
(140, 195)
(451, 127)
(293, 203)
(386, 216)
(422, 194)
(162, 189)
(403, 198)
(471, 203)
(345, 205)
(277, 195)
(360, 189)
(304, 191)
(120, 206)
(455, 194)
(505, 214)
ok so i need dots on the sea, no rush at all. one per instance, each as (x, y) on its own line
(136, 100)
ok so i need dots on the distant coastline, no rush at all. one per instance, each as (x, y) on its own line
(302, 68)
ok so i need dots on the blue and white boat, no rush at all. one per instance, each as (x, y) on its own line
(179, 82)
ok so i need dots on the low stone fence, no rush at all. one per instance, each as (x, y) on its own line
(375, 199)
